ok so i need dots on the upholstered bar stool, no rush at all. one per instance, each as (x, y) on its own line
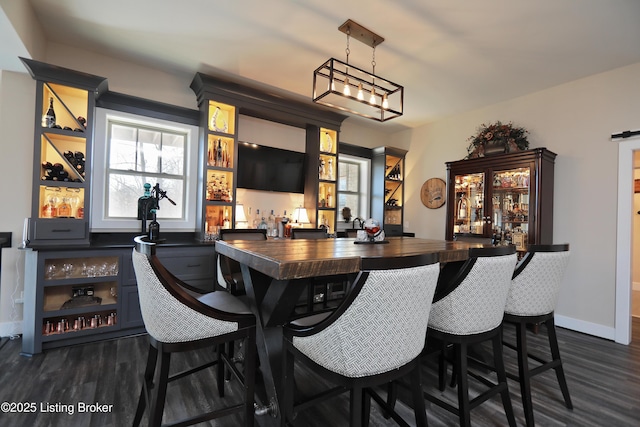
(375, 336)
(532, 300)
(467, 310)
(177, 322)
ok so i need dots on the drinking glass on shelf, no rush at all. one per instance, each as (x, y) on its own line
(67, 269)
(51, 272)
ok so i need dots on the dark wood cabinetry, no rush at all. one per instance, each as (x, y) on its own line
(508, 195)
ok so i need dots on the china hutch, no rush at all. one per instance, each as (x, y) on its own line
(505, 198)
(387, 189)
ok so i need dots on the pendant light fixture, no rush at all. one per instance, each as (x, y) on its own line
(335, 82)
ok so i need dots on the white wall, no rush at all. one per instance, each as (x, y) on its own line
(635, 272)
(17, 100)
(574, 120)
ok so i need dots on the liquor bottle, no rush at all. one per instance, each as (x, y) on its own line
(226, 224)
(154, 228)
(219, 154)
(263, 224)
(49, 118)
(256, 220)
(64, 209)
(271, 225)
(329, 198)
(49, 209)
(463, 205)
(330, 171)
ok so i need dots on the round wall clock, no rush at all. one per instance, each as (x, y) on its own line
(433, 193)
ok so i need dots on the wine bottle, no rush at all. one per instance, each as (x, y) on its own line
(49, 118)
(154, 230)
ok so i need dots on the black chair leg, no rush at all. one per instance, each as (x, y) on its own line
(418, 399)
(160, 390)
(442, 367)
(555, 354)
(498, 362)
(220, 377)
(464, 407)
(249, 378)
(289, 385)
(355, 406)
(392, 397)
(366, 408)
(147, 384)
(523, 372)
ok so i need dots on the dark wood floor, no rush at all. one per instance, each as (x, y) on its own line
(603, 377)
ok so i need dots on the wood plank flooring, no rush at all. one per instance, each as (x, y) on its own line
(603, 377)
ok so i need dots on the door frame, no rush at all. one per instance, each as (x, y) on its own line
(624, 239)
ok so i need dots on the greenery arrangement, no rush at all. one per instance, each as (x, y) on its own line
(497, 138)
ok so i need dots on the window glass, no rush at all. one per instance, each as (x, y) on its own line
(353, 188)
(140, 155)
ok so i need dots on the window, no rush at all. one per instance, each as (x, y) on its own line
(353, 186)
(139, 155)
(139, 150)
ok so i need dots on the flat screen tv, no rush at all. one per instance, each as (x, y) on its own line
(270, 169)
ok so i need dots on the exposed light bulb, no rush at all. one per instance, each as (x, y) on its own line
(346, 91)
(360, 94)
(385, 102)
(372, 100)
(333, 84)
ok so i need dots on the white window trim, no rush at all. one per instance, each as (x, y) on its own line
(365, 183)
(99, 222)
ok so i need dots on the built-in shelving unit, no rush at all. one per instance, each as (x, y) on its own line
(61, 199)
(387, 202)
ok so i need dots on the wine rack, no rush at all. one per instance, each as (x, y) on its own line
(388, 189)
(63, 138)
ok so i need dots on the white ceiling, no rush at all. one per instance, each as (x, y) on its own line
(451, 56)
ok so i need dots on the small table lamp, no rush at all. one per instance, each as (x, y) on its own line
(241, 218)
(300, 216)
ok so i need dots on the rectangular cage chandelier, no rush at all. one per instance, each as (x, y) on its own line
(338, 84)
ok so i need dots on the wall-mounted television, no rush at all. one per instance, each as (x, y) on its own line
(270, 169)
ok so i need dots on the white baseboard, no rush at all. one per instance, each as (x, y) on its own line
(8, 329)
(589, 328)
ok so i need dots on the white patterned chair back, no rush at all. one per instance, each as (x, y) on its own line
(383, 328)
(476, 305)
(534, 291)
(166, 318)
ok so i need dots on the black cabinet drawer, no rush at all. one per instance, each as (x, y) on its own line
(59, 229)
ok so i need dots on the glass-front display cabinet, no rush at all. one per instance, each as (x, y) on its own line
(506, 198)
